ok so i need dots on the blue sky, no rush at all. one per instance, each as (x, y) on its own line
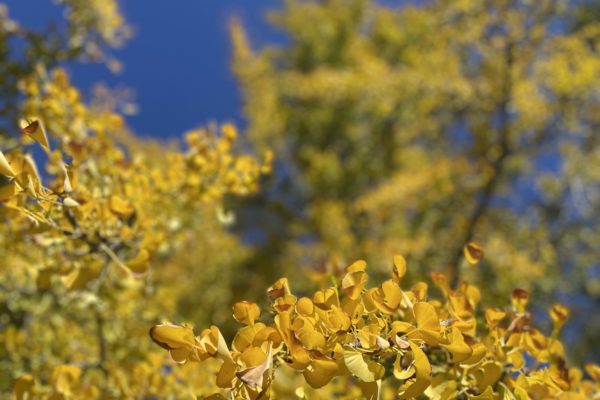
(177, 63)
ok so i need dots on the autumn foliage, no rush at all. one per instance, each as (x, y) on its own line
(375, 132)
(384, 342)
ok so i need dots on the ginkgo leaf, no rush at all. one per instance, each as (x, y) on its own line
(399, 269)
(403, 372)
(179, 340)
(473, 253)
(487, 374)
(35, 129)
(417, 385)
(279, 288)
(353, 283)
(253, 376)
(559, 315)
(246, 312)
(360, 366)
(213, 342)
(357, 266)
(226, 374)
(459, 349)
(320, 372)
(311, 339)
(370, 390)
(5, 167)
(441, 388)
(428, 323)
(305, 306)
(493, 316)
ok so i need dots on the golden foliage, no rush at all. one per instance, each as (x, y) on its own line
(387, 339)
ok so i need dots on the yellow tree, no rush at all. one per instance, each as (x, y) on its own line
(95, 225)
(417, 129)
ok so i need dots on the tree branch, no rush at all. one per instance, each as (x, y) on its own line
(497, 165)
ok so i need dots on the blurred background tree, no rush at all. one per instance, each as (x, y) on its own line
(413, 129)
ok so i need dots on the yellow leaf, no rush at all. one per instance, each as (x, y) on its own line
(364, 369)
(64, 377)
(5, 168)
(226, 374)
(399, 268)
(246, 312)
(305, 306)
(179, 340)
(428, 323)
(254, 376)
(417, 385)
(213, 343)
(320, 372)
(353, 283)
(459, 349)
(35, 129)
(370, 390)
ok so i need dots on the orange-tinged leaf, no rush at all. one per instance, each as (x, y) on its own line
(279, 288)
(520, 298)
